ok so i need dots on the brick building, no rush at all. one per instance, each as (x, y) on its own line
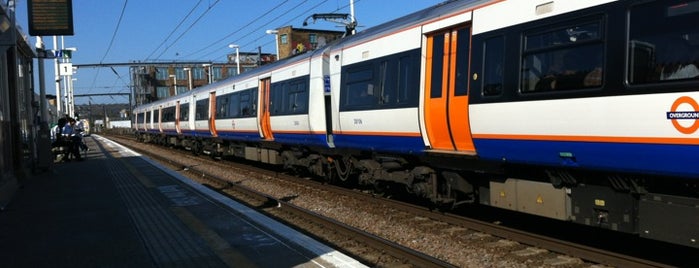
(293, 40)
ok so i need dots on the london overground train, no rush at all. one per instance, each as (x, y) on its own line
(582, 111)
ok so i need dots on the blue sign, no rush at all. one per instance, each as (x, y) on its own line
(326, 83)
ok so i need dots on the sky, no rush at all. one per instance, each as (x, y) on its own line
(121, 31)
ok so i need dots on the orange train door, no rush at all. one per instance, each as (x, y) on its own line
(446, 90)
(177, 118)
(212, 114)
(263, 117)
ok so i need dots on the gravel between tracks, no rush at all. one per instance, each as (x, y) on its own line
(459, 246)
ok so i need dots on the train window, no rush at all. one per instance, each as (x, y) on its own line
(663, 42)
(461, 87)
(253, 102)
(248, 102)
(168, 114)
(276, 99)
(384, 83)
(494, 57)
(297, 97)
(406, 87)
(290, 97)
(184, 112)
(359, 87)
(565, 58)
(234, 105)
(437, 66)
(244, 106)
(222, 103)
(202, 109)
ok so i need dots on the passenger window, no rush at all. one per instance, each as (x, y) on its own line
(493, 67)
(360, 88)
(222, 106)
(234, 106)
(202, 109)
(184, 112)
(565, 58)
(663, 42)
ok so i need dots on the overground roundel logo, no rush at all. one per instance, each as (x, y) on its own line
(674, 115)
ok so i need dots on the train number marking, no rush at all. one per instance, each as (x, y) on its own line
(675, 115)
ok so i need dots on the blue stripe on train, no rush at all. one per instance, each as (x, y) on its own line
(301, 139)
(390, 144)
(658, 159)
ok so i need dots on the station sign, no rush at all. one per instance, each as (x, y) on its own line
(65, 69)
(50, 17)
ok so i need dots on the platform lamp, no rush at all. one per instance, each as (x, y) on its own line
(276, 40)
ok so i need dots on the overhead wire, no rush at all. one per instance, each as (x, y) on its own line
(111, 42)
(191, 11)
(213, 44)
(286, 22)
(188, 28)
(305, 12)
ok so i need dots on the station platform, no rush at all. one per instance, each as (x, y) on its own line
(120, 209)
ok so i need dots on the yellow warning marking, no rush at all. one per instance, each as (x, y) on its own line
(219, 245)
(539, 199)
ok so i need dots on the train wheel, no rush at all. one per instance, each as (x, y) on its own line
(197, 148)
(343, 167)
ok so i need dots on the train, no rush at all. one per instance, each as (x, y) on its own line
(580, 111)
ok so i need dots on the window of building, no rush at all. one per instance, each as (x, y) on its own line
(218, 74)
(198, 73)
(663, 42)
(312, 38)
(231, 71)
(284, 39)
(180, 73)
(161, 73)
(565, 58)
(181, 89)
(163, 92)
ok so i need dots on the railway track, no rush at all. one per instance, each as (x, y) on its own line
(522, 246)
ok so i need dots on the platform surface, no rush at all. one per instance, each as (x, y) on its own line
(119, 209)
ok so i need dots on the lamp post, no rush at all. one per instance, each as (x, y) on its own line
(276, 40)
(174, 82)
(57, 78)
(68, 81)
(237, 55)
